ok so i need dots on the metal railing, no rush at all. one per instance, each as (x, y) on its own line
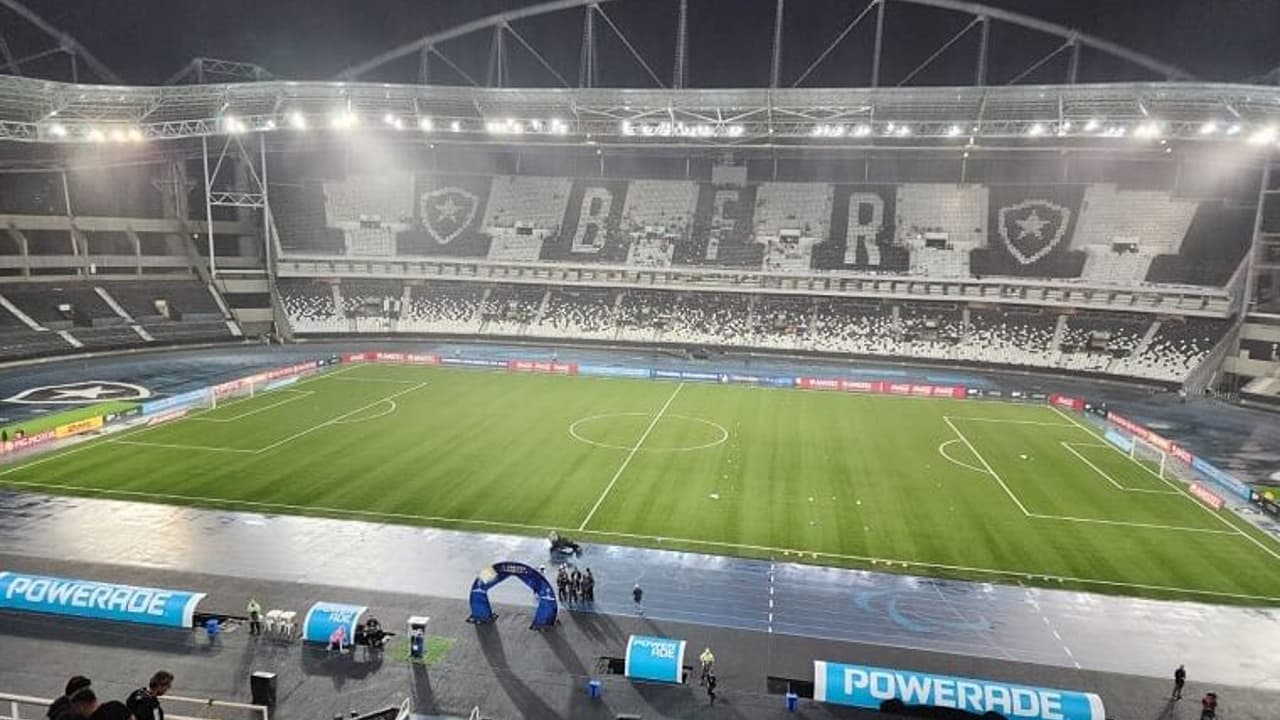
(26, 707)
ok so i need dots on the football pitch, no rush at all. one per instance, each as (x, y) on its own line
(957, 488)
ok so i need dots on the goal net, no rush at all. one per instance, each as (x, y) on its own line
(1150, 457)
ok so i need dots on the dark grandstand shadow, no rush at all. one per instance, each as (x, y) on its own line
(108, 634)
(598, 627)
(520, 694)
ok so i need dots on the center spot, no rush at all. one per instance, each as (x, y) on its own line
(672, 433)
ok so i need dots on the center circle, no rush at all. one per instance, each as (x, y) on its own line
(598, 430)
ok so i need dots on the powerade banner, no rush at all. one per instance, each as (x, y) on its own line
(609, 371)
(175, 401)
(654, 658)
(1222, 478)
(99, 601)
(325, 617)
(864, 686)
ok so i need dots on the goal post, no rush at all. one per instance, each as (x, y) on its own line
(1149, 456)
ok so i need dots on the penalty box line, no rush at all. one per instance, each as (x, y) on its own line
(1069, 447)
(1176, 486)
(349, 512)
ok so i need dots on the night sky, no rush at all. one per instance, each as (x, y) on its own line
(146, 41)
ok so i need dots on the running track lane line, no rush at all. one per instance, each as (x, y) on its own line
(627, 461)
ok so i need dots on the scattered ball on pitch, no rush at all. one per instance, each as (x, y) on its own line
(811, 522)
(858, 502)
(1025, 456)
(810, 498)
(714, 496)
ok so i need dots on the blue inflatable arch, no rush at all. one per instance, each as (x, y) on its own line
(482, 610)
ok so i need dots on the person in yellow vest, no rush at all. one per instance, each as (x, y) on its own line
(255, 617)
(708, 660)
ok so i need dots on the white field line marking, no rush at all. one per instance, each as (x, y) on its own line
(391, 407)
(658, 540)
(1087, 461)
(1006, 420)
(376, 380)
(340, 418)
(942, 450)
(986, 465)
(1127, 523)
(291, 397)
(1181, 491)
(178, 446)
(627, 460)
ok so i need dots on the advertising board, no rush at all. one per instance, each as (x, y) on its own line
(97, 600)
(654, 658)
(868, 687)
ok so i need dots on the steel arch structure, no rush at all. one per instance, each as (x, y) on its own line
(65, 44)
(501, 26)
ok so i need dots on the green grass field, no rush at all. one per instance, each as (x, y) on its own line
(988, 491)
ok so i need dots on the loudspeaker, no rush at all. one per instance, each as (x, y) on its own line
(262, 685)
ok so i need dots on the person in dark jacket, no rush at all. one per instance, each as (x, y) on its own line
(711, 687)
(144, 703)
(1179, 679)
(56, 708)
(81, 704)
(112, 710)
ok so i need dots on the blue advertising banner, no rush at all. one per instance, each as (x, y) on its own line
(1119, 439)
(654, 658)
(609, 371)
(690, 375)
(867, 687)
(325, 617)
(473, 362)
(1221, 478)
(97, 600)
(175, 401)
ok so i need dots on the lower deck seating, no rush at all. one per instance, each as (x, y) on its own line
(1126, 344)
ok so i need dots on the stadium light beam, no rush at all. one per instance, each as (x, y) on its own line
(1262, 136)
(297, 120)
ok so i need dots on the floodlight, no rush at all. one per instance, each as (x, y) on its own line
(455, 126)
(904, 130)
(1092, 125)
(134, 135)
(425, 124)
(96, 135)
(233, 125)
(1263, 136)
(389, 119)
(627, 129)
(558, 127)
(1147, 130)
(953, 131)
(270, 125)
(1209, 128)
(297, 120)
(118, 135)
(1036, 130)
(57, 130)
(344, 120)
(862, 130)
(1233, 129)
(735, 130)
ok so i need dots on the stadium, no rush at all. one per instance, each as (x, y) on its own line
(920, 358)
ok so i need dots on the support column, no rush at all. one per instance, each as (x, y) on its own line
(208, 205)
(776, 69)
(875, 59)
